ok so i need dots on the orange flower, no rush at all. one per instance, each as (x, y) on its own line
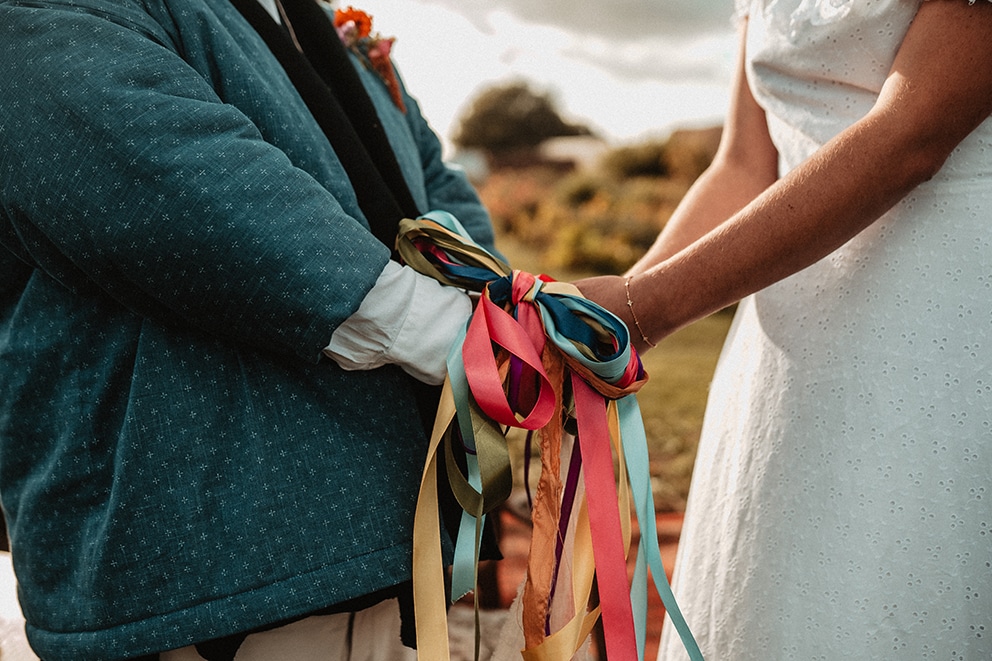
(354, 27)
(378, 55)
(361, 20)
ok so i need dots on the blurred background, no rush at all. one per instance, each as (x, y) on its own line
(626, 69)
(582, 124)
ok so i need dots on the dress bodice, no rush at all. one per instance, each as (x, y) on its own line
(817, 66)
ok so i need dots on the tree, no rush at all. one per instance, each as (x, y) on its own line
(512, 117)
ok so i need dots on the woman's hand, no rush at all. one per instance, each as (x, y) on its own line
(612, 292)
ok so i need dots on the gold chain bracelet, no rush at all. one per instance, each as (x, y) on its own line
(630, 305)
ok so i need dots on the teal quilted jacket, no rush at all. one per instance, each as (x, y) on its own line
(178, 241)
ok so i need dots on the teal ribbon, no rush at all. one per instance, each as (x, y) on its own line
(596, 342)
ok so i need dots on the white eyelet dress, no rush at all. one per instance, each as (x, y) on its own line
(841, 505)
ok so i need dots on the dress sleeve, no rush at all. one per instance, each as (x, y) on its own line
(741, 9)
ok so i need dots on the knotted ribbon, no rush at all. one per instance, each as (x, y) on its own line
(537, 355)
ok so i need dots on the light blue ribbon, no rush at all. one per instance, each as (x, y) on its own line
(560, 316)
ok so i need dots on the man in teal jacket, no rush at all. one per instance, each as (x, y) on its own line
(209, 365)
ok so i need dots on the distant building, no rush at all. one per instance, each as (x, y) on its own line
(582, 152)
(473, 162)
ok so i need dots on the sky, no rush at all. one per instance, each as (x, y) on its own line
(628, 69)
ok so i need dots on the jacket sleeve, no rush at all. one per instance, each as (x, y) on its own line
(122, 173)
(448, 188)
(445, 187)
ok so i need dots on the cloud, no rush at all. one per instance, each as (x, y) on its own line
(700, 58)
(608, 19)
(624, 70)
(637, 40)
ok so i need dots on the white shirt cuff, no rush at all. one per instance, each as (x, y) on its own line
(407, 319)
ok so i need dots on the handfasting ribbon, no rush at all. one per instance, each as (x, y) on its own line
(604, 521)
(635, 454)
(533, 350)
(489, 482)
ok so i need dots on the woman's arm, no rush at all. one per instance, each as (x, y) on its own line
(745, 164)
(934, 96)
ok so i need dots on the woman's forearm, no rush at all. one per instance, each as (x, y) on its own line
(799, 220)
(745, 164)
(711, 200)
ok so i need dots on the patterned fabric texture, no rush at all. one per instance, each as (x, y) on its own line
(179, 240)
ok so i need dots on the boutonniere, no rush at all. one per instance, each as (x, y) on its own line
(355, 29)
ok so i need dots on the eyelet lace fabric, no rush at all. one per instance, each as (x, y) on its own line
(841, 505)
(826, 9)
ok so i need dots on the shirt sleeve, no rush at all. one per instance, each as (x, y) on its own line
(407, 319)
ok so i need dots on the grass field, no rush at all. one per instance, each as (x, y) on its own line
(672, 404)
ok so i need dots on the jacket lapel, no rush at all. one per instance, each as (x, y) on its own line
(335, 96)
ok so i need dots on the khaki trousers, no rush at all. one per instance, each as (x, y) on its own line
(372, 634)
